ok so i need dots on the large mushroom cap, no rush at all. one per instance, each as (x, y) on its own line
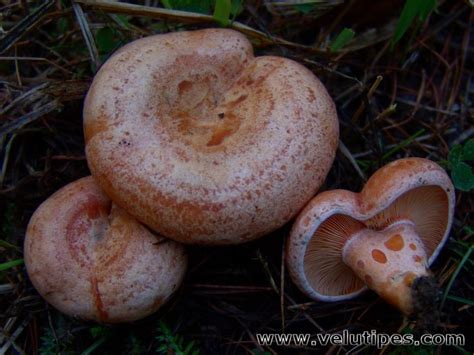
(92, 260)
(205, 143)
(413, 189)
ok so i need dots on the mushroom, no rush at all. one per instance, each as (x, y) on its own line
(384, 237)
(91, 260)
(202, 141)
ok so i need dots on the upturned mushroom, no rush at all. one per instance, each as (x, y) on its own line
(383, 238)
(90, 259)
(205, 143)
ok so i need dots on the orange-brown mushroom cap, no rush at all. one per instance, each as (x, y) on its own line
(92, 260)
(202, 141)
(413, 189)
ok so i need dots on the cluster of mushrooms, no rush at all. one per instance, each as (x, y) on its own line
(191, 139)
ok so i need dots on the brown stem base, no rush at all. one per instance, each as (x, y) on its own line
(426, 298)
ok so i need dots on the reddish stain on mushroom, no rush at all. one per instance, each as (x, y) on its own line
(412, 246)
(184, 86)
(379, 256)
(395, 243)
(417, 258)
(368, 280)
(360, 264)
(97, 297)
(94, 208)
(219, 136)
(307, 221)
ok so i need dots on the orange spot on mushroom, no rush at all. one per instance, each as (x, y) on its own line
(237, 101)
(417, 258)
(409, 278)
(368, 280)
(219, 136)
(229, 127)
(395, 243)
(412, 246)
(379, 256)
(360, 264)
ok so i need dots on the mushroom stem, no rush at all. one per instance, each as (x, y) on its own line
(389, 261)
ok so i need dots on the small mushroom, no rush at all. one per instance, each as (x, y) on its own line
(205, 143)
(384, 237)
(92, 260)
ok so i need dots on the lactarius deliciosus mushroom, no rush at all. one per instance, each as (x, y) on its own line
(202, 141)
(92, 260)
(384, 237)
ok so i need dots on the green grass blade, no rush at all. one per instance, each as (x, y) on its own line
(236, 8)
(201, 6)
(166, 4)
(10, 264)
(460, 254)
(342, 39)
(403, 144)
(426, 7)
(222, 12)
(455, 274)
(410, 10)
(96, 344)
(461, 300)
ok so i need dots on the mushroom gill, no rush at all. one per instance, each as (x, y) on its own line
(325, 269)
(425, 206)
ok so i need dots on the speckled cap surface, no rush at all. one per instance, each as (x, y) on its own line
(205, 143)
(92, 260)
